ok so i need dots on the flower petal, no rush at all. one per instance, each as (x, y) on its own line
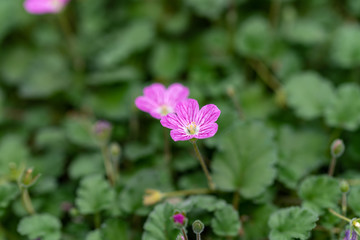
(180, 135)
(176, 93)
(171, 121)
(155, 92)
(208, 114)
(207, 131)
(187, 111)
(44, 6)
(146, 104)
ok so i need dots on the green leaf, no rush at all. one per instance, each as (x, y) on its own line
(208, 203)
(208, 8)
(50, 137)
(353, 199)
(344, 112)
(226, 222)
(8, 192)
(246, 163)
(12, 151)
(86, 164)
(292, 223)
(305, 31)
(159, 225)
(79, 130)
(257, 227)
(320, 192)
(44, 226)
(300, 152)
(94, 195)
(114, 229)
(122, 74)
(254, 38)
(309, 94)
(345, 50)
(135, 37)
(94, 235)
(135, 150)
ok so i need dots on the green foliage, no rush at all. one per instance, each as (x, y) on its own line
(246, 163)
(292, 223)
(226, 222)
(42, 226)
(353, 199)
(8, 192)
(309, 94)
(94, 195)
(320, 192)
(159, 225)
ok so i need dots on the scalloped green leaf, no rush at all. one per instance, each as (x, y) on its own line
(344, 112)
(254, 38)
(114, 229)
(94, 195)
(79, 130)
(44, 226)
(226, 222)
(246, 162)
(294, 161)
(345, 50)
(159, 225)
(8, 192)
(309, 94)
(320, 192)
(292, 223)
(353, 199)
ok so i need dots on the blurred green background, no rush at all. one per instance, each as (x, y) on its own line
(294, 64)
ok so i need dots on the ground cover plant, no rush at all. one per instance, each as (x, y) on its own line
(179, 120)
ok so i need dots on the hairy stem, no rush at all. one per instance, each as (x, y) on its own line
(26, 200)
(203, 165)
(108, 166)
(184, 233)
(332, 166)
(339, 215)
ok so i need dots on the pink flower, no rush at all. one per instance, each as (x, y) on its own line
(44, 6)
(189, 122)
(159, 101)
(179, 219)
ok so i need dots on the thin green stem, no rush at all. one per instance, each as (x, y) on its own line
(344, 204)
(26, 200)
(108, 166)
(339, 215)
(265, 75)
(203, 165)
(332, 166)
(236, 200)
(184, 233)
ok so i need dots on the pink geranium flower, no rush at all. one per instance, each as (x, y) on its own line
(189, 122)
(44, 6)
(159, 101)
(179, 218)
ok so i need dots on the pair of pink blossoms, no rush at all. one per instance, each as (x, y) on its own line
(178, 113)
(44, 6)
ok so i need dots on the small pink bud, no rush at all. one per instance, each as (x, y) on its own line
(337, 148)
(179, 218)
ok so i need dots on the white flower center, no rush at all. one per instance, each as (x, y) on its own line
(192, 129)
(164, 110)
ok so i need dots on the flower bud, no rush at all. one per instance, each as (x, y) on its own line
(344, 186)
(27, 179)
(102, 131)
(115, 150)
(198, 227)
(337, 148)
(152, 196)
(179, 219)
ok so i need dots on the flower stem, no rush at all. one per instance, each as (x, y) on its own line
(339, 215)
(236, 200)
(203, 165)
(344, 204)
(108, 167)
(184, 234)
(97, 220)
(198, 237)
(332, 166)
(25, 196)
